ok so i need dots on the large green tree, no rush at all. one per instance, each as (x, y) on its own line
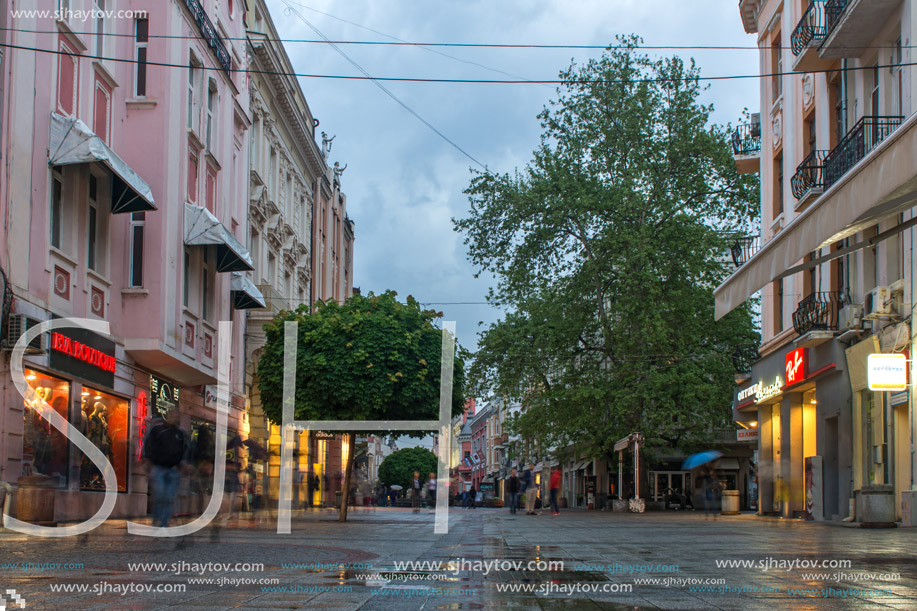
(606, 248)
(370, 358)
(398, 467)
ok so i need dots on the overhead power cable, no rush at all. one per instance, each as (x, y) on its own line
(403, 79)
(384, 89)
(473, 45)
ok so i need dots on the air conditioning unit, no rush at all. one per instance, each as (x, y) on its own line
(19, 324)
(878, 303)
(850, 318)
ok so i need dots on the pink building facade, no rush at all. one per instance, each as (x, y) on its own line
(124, 197)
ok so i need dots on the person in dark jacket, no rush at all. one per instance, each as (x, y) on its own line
(528, 487)
(512, 486)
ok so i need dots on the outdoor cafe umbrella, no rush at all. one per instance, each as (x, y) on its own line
(395, 487)
(699, 459)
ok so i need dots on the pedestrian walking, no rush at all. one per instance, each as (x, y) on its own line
(431, 490)
(528, 488)
(711, 486)
(231, 485)
(166, 447)
(555, 490)
(512, 486)
(416, 491)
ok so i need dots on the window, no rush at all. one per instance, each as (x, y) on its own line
(874, 93)
(899, 243)
(44, 448)
(102, 110)
(256, 249)
(271, 268)
(272, 179)
(777, 65)
(210, 187)
(93, 229)
(778, 306)
(811, 141)
(99, 15)
(897, 78)
(211, 105)
(138, 220)
(778, 185)
(256, 141)
(192, 174)
(186, 276)
(840, 119)
(105, 420)
(63, 10)
(288, 285)
(67, 79)
(206, 286)
(57, 208)
(141, 40)
(231, 7)
(194, 70)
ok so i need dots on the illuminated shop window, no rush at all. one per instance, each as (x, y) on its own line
(104, 419)
(44, 448)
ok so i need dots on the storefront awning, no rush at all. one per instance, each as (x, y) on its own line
(204, 229)
(582, 464)
(72, 142)
(882, 184)
(245, 295)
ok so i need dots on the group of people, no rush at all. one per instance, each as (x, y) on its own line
(517, 487)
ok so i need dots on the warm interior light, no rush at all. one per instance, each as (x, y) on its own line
(98, 397)
(813, 401)
(31, 376)
(754, 424)
(85, 393)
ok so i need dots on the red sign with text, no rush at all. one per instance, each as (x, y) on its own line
(797, 366)
(82, 352)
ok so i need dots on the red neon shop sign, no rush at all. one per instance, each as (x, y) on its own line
(82, 352)
(797, 366)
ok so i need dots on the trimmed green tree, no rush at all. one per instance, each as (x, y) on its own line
(606, 249)
(370, 358)
(398, 467)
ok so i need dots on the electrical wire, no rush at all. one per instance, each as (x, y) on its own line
(471, 45)
(385, 90)
(726, 77)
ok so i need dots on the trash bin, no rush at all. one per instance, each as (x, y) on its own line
(876, 506)
(35, 499)
(730, 502)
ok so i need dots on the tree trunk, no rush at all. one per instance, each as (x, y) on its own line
(348, 476)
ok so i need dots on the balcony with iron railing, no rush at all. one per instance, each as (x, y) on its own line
(819, 312)
(808, 35)
(809, 180)
(273, 300)
(744, 356)
(209, 33)
(853, 25)
(743, 248)
(859, 141)
(746, 145)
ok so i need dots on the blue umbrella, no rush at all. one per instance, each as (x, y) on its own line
(699, 459)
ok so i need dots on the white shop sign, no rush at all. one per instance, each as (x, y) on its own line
(886, 372)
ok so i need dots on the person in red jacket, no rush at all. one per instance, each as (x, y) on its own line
(555, 490)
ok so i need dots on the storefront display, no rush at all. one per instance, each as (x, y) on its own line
(44, 448)
(104, 421)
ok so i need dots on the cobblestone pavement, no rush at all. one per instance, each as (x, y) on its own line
(607, 560)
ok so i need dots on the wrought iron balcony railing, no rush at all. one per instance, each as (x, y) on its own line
(210, 34)
(818, 311)
(812, 27)
(859, 141)
(834, 10)
(744, 356)
(743, 248)
(746, 139)
(810, 174)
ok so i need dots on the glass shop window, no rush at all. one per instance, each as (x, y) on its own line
(44, 448)
(104, 420)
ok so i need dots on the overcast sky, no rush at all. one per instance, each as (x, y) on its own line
(403, 182)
